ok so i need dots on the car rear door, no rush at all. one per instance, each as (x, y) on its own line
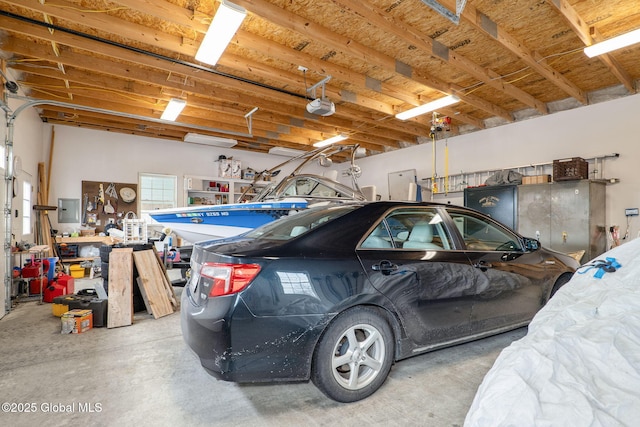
(425, 278)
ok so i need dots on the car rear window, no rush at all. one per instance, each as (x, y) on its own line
(299, 223)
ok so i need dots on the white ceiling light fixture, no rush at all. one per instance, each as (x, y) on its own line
(224, 25)
(612, 44)
(173, 109)
(332, 140)
(428, 107)
(215, 141)
(284, 151)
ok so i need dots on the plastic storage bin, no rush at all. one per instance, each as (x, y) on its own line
(76, 271)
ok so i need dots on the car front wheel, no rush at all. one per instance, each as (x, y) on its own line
(354, 356)
(563, 280)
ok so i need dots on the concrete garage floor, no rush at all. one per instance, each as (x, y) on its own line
(144, 375)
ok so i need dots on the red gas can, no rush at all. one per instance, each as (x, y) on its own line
(66, 280)
(31, 270)
(53, 290)
(34, 285)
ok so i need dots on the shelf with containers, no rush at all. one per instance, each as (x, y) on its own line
(215, 191)
(69, 247)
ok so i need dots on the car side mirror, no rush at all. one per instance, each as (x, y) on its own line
(531, 244)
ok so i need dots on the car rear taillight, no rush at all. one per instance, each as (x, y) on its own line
(228, 278)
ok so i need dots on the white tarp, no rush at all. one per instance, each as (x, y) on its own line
(579, 364)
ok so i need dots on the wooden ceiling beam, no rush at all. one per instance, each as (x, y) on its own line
(448, 56)
(185, 121)
(588, 36)
(361, 52)
(120, 70)
(64, 39)
(109, 24)
(139, 33)
(120, 89)
(52, 114)
(246, 39)
(262, 129)
(533, 59)
(62, 115)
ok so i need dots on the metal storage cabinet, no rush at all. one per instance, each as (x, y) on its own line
(499, 202)
(565, 216)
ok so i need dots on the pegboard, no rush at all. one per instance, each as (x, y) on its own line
(106, 202)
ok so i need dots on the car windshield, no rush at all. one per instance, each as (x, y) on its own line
(296, 224)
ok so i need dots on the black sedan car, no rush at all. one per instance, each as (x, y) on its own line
(337, 294)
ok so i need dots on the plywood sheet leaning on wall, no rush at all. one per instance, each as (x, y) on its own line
(152, 284)
(120, 304)
(166, 281)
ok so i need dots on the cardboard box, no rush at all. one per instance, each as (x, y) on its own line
(229, 168)
(77, 321)
(536, 179)
(248, 174)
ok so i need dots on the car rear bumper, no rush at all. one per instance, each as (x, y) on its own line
(234, 345)
(205, 329)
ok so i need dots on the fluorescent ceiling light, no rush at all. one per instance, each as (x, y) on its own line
(618, 42)
(173, 109)
(215, 141)
(334, 139)
(223, 26)
(283, 151)
(430, 106)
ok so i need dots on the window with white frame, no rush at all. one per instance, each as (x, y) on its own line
(157, 191)
(26, 208)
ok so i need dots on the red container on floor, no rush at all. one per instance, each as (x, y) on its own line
(34, 286)
(66, 280)
(53, 290)
(31, 270)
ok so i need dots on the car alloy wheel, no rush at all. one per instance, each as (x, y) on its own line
(354, 356)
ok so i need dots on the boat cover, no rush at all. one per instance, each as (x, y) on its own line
(579, 364)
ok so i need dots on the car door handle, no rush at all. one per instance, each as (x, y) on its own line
(385, 267)
(483, 265)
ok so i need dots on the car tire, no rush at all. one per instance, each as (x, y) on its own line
(562, 280)
(361, 341)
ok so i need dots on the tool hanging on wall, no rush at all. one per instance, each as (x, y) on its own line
(111, 191)
(108, 209)
(101, 194)
(101, 197)
(86, 208)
